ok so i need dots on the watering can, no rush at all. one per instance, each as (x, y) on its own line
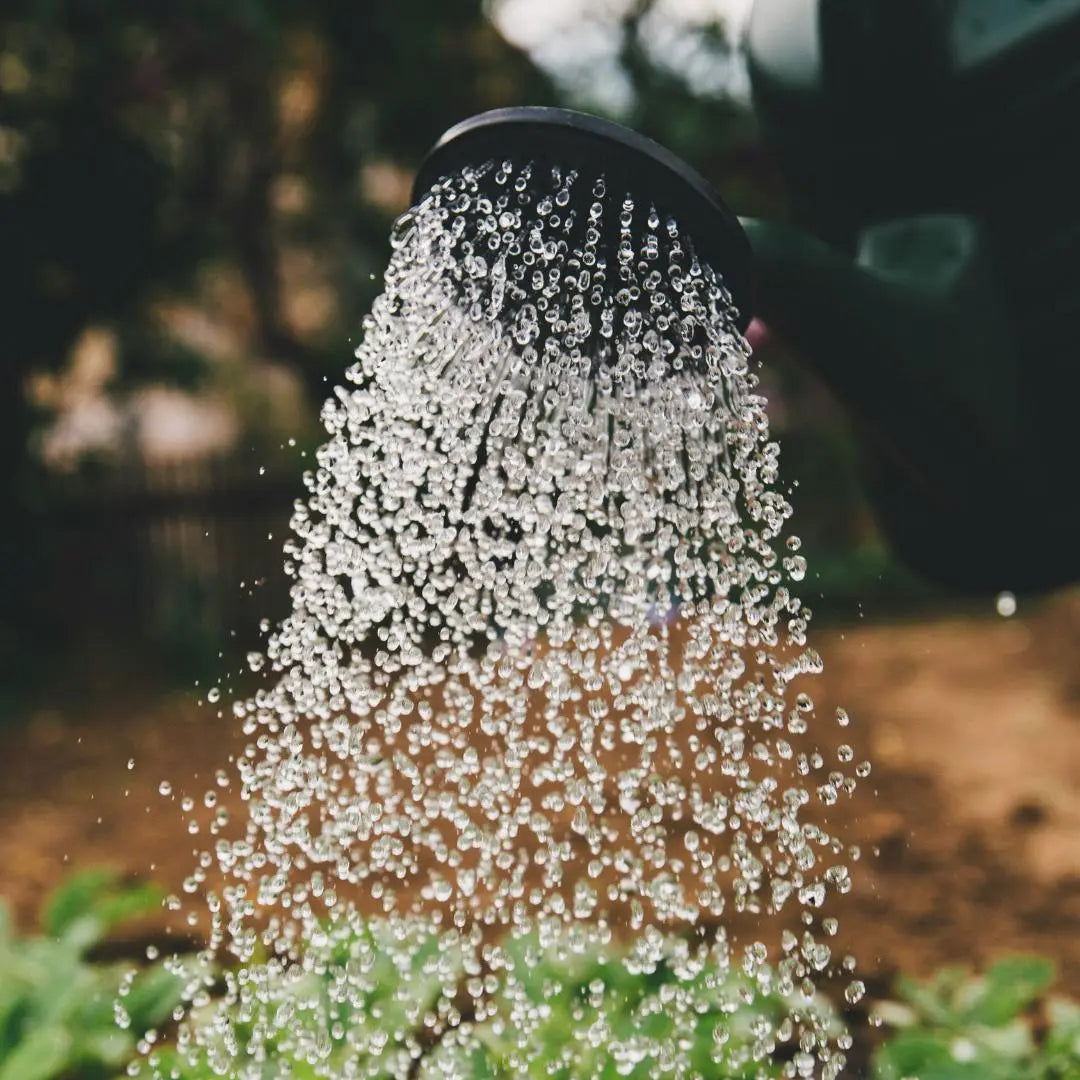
(934, 278)
(935, 284)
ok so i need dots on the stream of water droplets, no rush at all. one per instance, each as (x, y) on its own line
(533, 698)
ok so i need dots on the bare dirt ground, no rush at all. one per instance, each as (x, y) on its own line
(972, 725)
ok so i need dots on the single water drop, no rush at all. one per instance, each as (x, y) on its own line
(1005, 604)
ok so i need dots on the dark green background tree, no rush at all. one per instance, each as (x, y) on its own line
(138, 142)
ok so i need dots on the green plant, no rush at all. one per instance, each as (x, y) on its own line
(591, 1018)
(58, 1008)
(592, 1015)
(1004, 1025)
(376, 1033)
(601, 1019)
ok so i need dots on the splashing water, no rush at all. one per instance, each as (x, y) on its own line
(532, 699)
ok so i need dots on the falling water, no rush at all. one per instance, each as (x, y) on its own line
(533, 698)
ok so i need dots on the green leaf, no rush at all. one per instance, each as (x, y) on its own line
(75, 899)
(451, 1059)
(13, 1004)
(1010, 986)
(1006, 1042)
(43, 1055)
(1063, 1039)
(911, 1053)
(53, 980)
(89, 904)
(965, 1070)
(935, 999)
(112, 1046)
(130, 902)
(152, 997)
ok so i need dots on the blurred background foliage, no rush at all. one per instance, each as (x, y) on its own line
(194, 206)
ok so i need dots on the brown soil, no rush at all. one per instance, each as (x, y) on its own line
(973, 806)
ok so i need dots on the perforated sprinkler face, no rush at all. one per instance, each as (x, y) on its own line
(569, 152)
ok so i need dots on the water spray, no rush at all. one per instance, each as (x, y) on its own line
(542, 691)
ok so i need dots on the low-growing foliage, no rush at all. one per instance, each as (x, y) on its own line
(588, 1017)
(59, 1013)
(1003, 1025)
(58, 1007)
(603, 1018)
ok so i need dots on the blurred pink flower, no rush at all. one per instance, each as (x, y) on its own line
(757, 333)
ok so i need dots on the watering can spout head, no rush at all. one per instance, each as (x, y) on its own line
(630, 164)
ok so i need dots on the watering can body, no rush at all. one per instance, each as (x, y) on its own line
(934, 277)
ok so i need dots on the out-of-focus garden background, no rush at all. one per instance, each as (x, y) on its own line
(195, 200)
